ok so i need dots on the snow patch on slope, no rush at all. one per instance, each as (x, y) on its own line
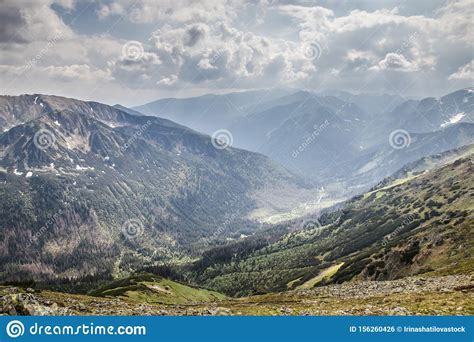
(456, 118)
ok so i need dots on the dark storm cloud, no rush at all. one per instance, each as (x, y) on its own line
(194, 35)
(11, 25)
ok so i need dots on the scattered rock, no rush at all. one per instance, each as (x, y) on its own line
(340, 299)
(26, 304)
(286, 310)
(362, 289)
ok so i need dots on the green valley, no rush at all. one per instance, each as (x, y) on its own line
(406, 252)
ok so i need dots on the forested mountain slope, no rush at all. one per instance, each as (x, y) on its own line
(421, 224)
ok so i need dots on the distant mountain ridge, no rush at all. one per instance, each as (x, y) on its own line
(96, 192)
(210, 112)
(87, 176)
(334, 136)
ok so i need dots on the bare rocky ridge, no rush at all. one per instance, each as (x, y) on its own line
(361, 289)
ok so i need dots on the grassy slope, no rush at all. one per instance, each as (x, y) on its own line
(147, 288)
(324, 274)
(421, 225)
(449, 295)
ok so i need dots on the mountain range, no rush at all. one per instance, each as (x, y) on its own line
(92, 189)
(92, 192)
(420, 221)
(332, 137)
(403, 248)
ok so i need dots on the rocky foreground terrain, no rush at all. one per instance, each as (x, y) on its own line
(446, 295)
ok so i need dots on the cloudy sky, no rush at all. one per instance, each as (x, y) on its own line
(134, 51)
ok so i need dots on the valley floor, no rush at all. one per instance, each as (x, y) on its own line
(447, 295)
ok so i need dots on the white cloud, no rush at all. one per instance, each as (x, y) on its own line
(33, 22)
(216, 45)
(393, 61)
(396, 46)
(66, 73)
(77, 72)
(465, 72)
(216, 54)
(176, 11)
